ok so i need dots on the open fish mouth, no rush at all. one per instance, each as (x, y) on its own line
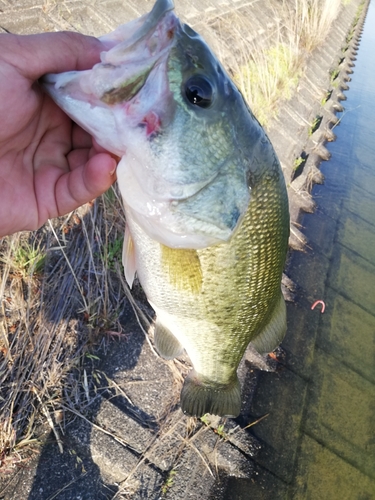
(156, 79)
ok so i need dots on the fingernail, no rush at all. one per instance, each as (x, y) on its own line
(111, 172)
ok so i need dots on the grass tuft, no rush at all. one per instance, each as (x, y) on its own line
(270, 63)
(59, 298)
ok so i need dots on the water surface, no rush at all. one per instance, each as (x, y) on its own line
(318, 441)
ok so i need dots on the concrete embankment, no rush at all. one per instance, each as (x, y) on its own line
(132, 441)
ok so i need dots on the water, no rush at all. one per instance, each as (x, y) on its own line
(318, 441)
(336, 454)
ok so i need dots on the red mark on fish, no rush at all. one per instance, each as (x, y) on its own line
(152, 122)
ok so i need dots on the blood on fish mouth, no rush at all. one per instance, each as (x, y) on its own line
(152, 123)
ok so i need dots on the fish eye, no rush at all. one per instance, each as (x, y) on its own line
(199, 91)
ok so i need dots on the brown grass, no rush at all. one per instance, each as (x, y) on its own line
(269, 62)
(55, 308)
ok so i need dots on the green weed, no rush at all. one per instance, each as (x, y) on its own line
(168, 482)
(28, 259)
(315, 124)
(205, 420)
(220, 431)
(112, 252)
(298, 162)
(326, 98)
(334, 74)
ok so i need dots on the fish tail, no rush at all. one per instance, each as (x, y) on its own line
(166, 343)
(198, 398)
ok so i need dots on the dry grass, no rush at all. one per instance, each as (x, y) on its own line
(313, 20)
(60, 293)
(271, 61)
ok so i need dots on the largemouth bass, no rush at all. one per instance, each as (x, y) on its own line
(204, 196)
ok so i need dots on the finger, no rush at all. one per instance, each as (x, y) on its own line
(78, 157)
(35, 55)
(98, 147)
(80, 138)
(85, 183)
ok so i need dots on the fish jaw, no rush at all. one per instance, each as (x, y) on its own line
(104, 100)
(134, 31)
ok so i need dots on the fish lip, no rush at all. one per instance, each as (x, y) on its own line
(159, 10)
(152, 20)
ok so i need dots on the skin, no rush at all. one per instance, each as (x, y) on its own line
(49, 166)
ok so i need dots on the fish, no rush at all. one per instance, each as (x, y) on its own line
(206, 206)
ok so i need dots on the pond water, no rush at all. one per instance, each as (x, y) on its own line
(318, 441)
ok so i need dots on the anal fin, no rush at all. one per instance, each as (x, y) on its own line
(274, 331)
(199, 398)
(166, 343)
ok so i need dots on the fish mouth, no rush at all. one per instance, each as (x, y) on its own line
(148, 45)
(131, 52)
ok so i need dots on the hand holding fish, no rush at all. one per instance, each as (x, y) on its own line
(48, 165)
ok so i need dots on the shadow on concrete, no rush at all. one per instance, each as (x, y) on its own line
(73, 473)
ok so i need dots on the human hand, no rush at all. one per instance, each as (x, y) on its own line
(48, 165)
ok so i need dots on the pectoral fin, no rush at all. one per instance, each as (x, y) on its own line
(128, 258)
(166, 343)
(183, 268)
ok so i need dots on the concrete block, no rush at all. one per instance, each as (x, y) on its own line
(347, 333)
(130, 430)
(361, 203)
(207, 461)
(354, 278)
(341, 413)
(357, 235)
(322, 475)
(279, 432)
